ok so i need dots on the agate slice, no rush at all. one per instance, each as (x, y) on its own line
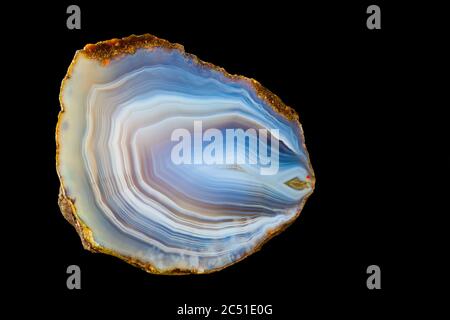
(172, 164)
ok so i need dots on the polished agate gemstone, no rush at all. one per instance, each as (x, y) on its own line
(171, 163)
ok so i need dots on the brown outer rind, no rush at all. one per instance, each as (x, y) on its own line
(104, 52)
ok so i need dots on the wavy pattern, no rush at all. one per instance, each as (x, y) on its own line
(116, 162)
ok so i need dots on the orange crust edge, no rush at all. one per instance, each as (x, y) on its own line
(104, 52)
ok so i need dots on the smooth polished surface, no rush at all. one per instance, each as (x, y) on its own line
(128, 196)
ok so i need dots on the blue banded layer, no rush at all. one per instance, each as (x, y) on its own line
(115, 161)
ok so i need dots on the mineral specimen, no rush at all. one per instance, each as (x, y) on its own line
(172, 164)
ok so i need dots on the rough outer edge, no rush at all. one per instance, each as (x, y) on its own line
(104, 52)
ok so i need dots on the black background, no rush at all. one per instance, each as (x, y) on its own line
(350, 86)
